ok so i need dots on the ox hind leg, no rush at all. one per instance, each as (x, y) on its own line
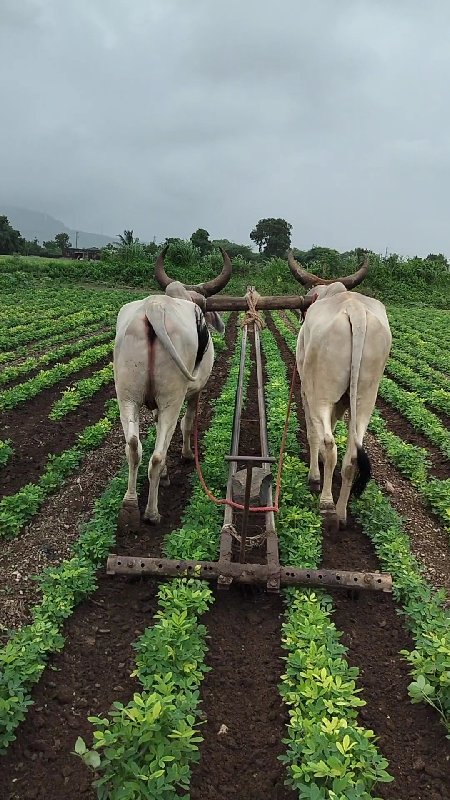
(352, 460)
(313, 442)
(328, 452)
(167, 420)
(129, 518)
(186, 425)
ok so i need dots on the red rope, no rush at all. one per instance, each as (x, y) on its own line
(239, 506)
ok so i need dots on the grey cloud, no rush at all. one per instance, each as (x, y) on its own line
(169, 115)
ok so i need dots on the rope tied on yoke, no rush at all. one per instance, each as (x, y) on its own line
(252, 315)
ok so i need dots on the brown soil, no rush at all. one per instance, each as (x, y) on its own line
(241, 693)
(429, 541)
(48, 538)
(36, 348)
(34, 435)
(93, 669)
(411, 736)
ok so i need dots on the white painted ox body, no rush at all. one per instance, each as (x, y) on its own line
(342, 350)
(163, 354)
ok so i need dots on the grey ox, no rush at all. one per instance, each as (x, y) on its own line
(342, 350)
(163, 354)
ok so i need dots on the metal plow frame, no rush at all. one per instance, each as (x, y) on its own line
(271, 574)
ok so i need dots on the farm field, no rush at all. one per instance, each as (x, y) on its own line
(186, 691)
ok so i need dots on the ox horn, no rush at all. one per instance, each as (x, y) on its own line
(309, 279)
(206, 289)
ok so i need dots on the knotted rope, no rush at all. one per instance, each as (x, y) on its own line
(252, 315)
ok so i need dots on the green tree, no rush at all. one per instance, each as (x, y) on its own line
(63, 241)
(233, 249)
(10, 239)
(127, 237)
(272, 236)
(438, 258)
(200, 240)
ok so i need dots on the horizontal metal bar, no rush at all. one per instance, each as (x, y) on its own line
(221, 302)
(249, 573)
(256, 459)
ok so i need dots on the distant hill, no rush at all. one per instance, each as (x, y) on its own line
(43, 227)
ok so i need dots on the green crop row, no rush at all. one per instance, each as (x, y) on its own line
(17, 509)
(145, 749)
(46, 341)
(437, 398)
(436, 379)
(23, 658)
(81, 391)
(6, 451)
(71, 349)
(423, 349)
(328, 754)
(413, 463)
(12, 397)
(422, 606)
(412, 408)
(9, 340)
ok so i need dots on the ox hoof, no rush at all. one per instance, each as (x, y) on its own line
(152, 519)
(187, 457)
(165, 480)
(330, 520)
(129, 518)
(314, 486)
(342, 524)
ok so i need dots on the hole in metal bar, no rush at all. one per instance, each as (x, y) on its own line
(338, 577)
(356, 580)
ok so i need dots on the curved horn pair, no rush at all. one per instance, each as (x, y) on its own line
(309, 279)
(206, 289)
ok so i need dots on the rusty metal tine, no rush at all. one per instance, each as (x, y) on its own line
(249, 573)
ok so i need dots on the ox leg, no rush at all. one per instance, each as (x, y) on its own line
(167, 420)
(329, 455)
(349, 467)
(313, 441)
(186, 425)
(129, 518)
(347, 474)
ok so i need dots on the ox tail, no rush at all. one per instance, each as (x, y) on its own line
(156, 315)
(358, 323)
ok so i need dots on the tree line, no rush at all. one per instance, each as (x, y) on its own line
(272, 236)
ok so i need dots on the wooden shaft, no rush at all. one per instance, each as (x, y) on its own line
(224, 302)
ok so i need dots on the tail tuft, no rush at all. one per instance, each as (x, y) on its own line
(364, 472)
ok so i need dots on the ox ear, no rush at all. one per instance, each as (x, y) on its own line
(215, 322)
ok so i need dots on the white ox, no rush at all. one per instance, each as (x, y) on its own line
(163, 354)
(342, 350)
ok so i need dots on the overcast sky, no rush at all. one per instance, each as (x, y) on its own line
(168, 115)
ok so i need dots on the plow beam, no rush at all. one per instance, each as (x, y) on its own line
(248, 573)
(223, 302)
